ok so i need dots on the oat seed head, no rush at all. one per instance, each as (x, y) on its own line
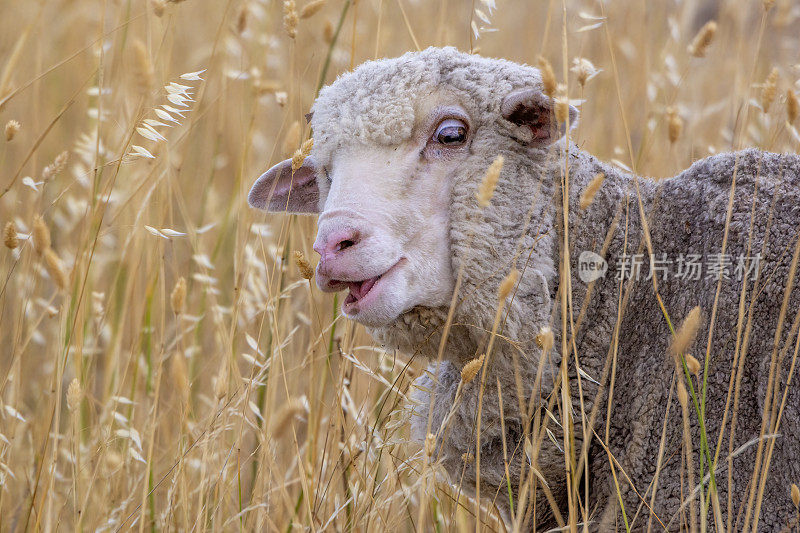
(795, 494)
(10, 238)
(12, 127)
(489, 183)
(703, 39)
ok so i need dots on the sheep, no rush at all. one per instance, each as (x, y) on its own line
(402, 145)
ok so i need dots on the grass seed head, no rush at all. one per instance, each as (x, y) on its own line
(703, 39)
(74, 395)
(692, 364)
(769, 90)
(58, 164)
(588, 194)
(548, 76)
(143, 71)
(311, 8)
(292, 139)
(178, 297)
(41, 235)
(241, 19)
(489, 183)
(290, 19)
(792, 106)
(10, 238)
(583, 69)
(158, 7)
(471, 369)
(674, 124)
(12, 127)
(430, 444)
(180, 377)
(508, 284)
(221, 383)
(56, 269)
(545, 339)
(686, 333)
(290, 410)
(303, 265)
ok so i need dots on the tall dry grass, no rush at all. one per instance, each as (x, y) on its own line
(163, 362)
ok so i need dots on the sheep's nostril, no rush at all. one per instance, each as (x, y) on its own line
(343, 245)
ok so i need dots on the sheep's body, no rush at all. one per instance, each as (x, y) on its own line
(523, 227)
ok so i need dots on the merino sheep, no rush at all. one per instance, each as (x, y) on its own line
(402, 145)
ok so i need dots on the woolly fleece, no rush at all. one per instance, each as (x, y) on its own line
(523, 227)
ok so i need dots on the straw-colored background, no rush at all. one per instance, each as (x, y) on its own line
(251, 407)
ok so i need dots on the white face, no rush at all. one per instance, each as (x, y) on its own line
(383, 231)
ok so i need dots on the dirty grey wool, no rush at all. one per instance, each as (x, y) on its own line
(621, 334)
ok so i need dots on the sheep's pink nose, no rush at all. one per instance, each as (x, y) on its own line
(335, 242)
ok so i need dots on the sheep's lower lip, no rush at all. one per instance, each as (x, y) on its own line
(360, 290)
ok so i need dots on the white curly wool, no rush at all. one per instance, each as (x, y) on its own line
(378, 104)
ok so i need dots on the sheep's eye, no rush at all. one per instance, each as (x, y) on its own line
(451, 132)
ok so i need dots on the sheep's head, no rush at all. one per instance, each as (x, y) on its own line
(389, 139)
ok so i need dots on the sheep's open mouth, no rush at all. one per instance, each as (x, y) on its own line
(359, 289)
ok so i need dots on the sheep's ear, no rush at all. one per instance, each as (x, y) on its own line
(279, 189)
(533, 109)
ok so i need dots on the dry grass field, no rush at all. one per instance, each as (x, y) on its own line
(163, 363)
